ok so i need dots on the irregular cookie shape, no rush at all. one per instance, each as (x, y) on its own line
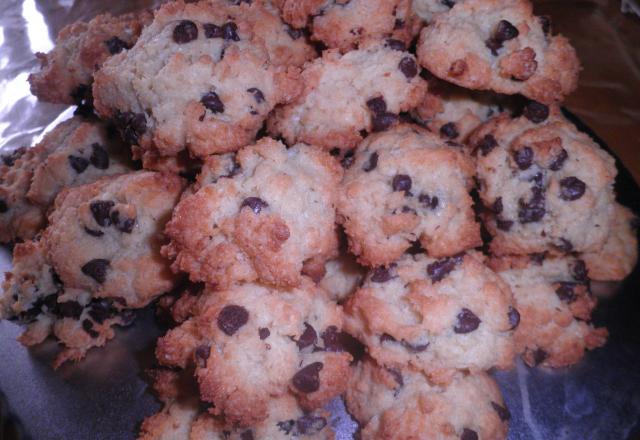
(407, 184)
(403, 404)
(344, 25)
(499, 45)
(343, 95)
(619, 255)
(545, 186)
(268, 215)
(251, 343)
(435, 315)
(76, 152)
(105, 237)
(66, 73)
(196, 79)
(555, 304)
(34, 295)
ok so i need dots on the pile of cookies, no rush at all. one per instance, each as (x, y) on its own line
(375, 199)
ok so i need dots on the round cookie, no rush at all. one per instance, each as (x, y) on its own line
(344, 25)
(619, 255)
(105, 237)
(268, 214)
(347, 95)
(555, 304)
(403, 404)
(545, 186)
(200, 77)
(407, 185)
(499, 45)
(435, 315)
(66, 72)
(251, 343)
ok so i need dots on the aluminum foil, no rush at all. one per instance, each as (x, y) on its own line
(106, 397)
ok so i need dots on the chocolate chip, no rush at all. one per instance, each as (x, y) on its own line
(449, 130)
(256, 204)
(383, 121)
(381, 274)
(257, 94)
(503, 32)
(566, 291)
(307, 380)
(123, 224)
(579, 271)
(536, 112)
(231, 318)
(96, 269)
(116, 45)
(414, 348)
(79, 164)
(294, 33)
(185, 32)
(564, 245)
(102, 309)
(202, 355)
(99, 157)
(386, 337)
(69, 309)
(212, 102)
(439, 269)
(539, 356)
(407, 209)
(469, 434)
(504, 225)
(514, 317)
(538, 257)
(372, 163)
(395, 44)
(398, 24)
(545, 23)
(10, 158)
(212, 31)
(408, 67)
(497, 206)
(397, 376)
(348, 159)
(100, 210)
(428, 202)
(572, 188)
(448, 3)
(93, 232)
(247, 435)
(310, 424)
(558, 162)
(131, 125)
(467, 322)
(402, 182)
(502, 412)
(533, 210)
(377, 105)
(3, 206)
(230, 31)
(308, 337)
(523, 158)
(486, 144)
(493, 45)
(337, 341)
(263, 333)
(87, 326)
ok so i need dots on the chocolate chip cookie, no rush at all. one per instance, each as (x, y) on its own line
(436, 315)
(555, 304)
(544, 185)
(346, 96)
(251, 343)
(406, 185)
(403, 404)
(265, 214)
(499, 45)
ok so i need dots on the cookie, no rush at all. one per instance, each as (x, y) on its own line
(34, 295)
(453, 112)
(427, 10)
(406, 185)
(266, 214)
(545, 186)
(403, 404)
(66, 72)
(619, 255)
(200, 77)
(499, 45)
(347, 95)
(251, 343)
(438, 316)
(555, 304)
(344, 25)
(342, 277)
(105, 237)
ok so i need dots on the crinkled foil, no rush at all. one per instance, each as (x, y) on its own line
(106, 397)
